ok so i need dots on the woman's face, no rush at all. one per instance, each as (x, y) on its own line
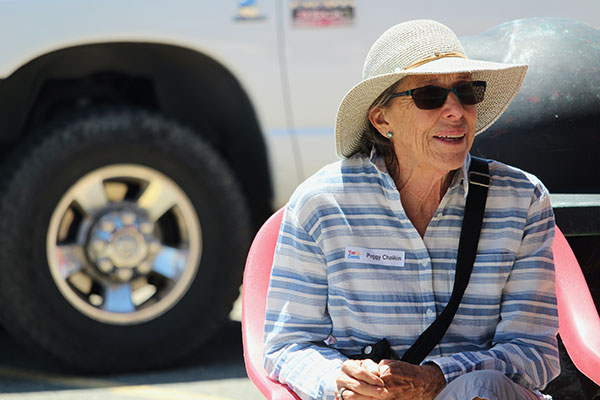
(439, 138)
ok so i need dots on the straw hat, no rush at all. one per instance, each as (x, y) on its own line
(421, 47)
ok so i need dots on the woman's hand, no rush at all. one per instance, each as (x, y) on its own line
(361, 380)
(408, 381)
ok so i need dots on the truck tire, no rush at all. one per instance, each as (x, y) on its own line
(122, 241)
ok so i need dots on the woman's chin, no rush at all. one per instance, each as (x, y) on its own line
(450, 161)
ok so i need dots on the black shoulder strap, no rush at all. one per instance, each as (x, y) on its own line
(479, 182)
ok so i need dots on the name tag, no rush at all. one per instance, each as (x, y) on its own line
(375, 256)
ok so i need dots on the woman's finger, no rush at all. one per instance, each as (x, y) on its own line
(371, 366)
(363, 383)
(354, 369)
(350, 394)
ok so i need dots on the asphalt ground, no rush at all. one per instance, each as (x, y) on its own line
(217, 372)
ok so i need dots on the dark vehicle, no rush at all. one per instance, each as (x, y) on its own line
(552, 129)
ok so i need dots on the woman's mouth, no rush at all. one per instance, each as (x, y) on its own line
(449, 138)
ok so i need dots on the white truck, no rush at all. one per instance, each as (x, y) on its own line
(144, 141)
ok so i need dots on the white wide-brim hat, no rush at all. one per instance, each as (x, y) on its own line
(421, 47)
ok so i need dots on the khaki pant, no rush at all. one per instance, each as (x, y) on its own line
(487, 384)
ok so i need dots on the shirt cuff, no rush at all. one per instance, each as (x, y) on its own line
(328, 382)
(451, 368)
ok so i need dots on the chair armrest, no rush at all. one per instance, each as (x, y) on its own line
(254, 294)
(579, 324)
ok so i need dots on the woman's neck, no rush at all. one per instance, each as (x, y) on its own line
(421, 191)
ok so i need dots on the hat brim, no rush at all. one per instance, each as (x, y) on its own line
(503, 83)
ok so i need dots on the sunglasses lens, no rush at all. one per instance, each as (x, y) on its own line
(429, 97)
(471, 93)
(432, 97)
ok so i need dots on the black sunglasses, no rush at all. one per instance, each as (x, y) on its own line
(431, 97)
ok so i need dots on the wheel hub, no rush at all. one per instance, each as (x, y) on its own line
(121, 244)
(129, 248)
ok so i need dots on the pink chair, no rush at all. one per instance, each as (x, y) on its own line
(578, 321)
(579, 324)
(254, 299)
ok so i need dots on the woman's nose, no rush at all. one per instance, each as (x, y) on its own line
(452, 107)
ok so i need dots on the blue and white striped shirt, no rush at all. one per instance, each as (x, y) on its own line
(328, 284)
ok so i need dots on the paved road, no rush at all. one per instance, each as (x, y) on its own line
(217, 373)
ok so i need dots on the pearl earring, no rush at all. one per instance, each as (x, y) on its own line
(389, 134)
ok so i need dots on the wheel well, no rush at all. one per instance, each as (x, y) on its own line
(181, 83)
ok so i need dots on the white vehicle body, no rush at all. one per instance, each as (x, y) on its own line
(295, 77)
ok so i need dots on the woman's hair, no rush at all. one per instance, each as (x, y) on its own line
(372, 137)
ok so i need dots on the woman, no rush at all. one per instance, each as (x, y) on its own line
(367, 248)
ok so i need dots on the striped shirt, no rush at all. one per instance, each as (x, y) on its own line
(351, 269)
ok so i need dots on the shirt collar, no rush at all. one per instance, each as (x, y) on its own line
(460, 177)
(377, 161)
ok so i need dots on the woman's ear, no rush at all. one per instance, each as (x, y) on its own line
(377, 116)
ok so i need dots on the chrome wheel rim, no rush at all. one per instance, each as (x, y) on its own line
(124, 244)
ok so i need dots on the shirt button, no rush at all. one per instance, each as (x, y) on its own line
(439, 214)
(430, 313)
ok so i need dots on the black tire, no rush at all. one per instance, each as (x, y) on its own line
(39, 173)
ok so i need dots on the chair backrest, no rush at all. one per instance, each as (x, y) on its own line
(579, 324)
(578, 321)
(254, 298)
